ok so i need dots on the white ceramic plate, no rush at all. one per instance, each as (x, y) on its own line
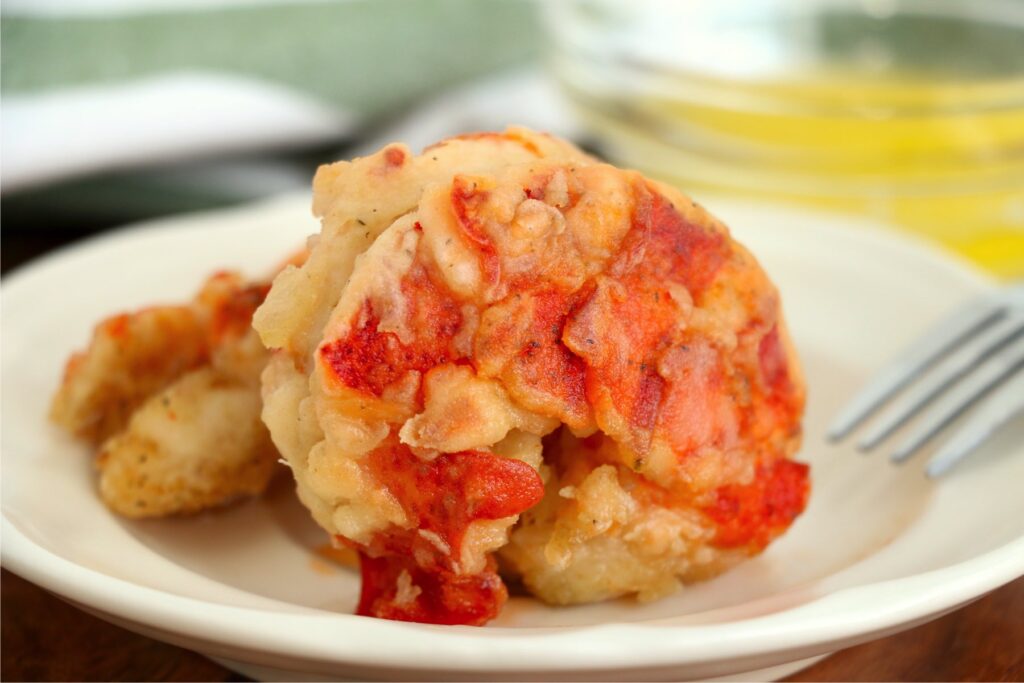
(879, 549)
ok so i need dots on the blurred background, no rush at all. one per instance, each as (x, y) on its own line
(908, 112)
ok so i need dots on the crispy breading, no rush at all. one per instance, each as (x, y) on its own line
(197, 444)
(172, 395)
(130, 357)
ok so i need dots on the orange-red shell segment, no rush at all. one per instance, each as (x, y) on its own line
(442, 497)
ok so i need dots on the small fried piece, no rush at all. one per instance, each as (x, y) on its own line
(197, 444)
(130, 357)
(173, 395)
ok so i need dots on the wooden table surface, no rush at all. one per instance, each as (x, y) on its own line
(45, 639)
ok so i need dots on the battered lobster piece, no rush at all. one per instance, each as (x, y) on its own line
(171, 397)
(502, 355)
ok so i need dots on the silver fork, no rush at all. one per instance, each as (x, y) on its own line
(977, 354)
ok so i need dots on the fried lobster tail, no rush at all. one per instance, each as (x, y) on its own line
(504, 352)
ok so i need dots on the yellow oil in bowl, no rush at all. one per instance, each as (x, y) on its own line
(913, 115)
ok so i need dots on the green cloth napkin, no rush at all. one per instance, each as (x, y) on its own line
(368, 56)
(371, 59)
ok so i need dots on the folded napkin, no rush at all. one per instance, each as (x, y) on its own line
(96, 85)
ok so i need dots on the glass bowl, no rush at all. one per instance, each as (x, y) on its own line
(907, 111)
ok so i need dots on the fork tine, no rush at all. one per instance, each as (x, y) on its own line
(1004, 405)
(997, 369)
(962, 361)
(945, 335)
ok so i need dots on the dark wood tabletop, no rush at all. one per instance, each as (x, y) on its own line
(45, 639)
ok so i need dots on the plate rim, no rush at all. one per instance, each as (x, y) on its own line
(813, 624)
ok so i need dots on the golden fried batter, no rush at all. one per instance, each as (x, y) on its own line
(172, 394)
(130, 357)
